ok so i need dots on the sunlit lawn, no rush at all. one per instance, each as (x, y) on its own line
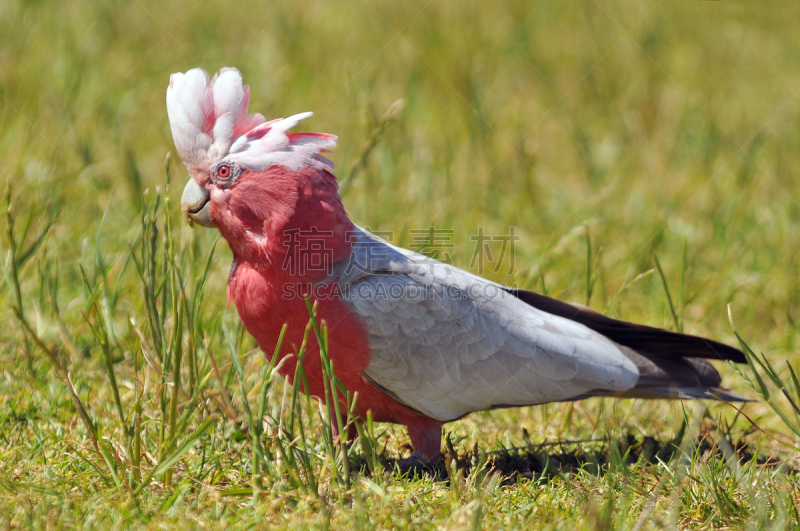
(603, 134)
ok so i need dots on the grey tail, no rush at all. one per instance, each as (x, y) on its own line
(690, 393)
(671, 365)
(687, 378)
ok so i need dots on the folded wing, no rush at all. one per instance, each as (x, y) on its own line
(445, 342)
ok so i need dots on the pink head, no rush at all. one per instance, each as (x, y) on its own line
(256, 183)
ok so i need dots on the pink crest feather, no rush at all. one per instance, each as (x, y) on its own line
(209, 121)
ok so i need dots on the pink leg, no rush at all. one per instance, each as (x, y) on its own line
(426, 438)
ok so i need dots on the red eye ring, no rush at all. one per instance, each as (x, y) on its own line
(224, 171)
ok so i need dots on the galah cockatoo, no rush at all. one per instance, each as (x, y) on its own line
(421, 342)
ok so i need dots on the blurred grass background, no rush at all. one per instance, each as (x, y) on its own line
(671, 126)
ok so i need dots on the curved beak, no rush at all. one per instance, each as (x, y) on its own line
(196, 205)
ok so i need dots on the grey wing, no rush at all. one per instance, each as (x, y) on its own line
(446, 343)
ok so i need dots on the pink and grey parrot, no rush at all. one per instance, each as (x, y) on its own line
(421, 342)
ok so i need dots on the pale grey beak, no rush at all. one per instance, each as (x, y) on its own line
(196, 205)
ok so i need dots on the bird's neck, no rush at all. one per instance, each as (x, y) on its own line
(304, 234)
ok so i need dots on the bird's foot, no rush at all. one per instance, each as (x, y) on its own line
(415, 465)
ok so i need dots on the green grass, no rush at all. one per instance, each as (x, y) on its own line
(645, 154)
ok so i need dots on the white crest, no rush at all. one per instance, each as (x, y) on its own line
(209, 122)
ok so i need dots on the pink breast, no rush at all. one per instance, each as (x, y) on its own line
(264, 305)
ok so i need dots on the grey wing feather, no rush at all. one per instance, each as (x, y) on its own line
(446, 342)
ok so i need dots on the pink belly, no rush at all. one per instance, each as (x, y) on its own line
(264, 306)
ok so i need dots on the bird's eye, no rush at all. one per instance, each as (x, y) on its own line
(225, 174)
